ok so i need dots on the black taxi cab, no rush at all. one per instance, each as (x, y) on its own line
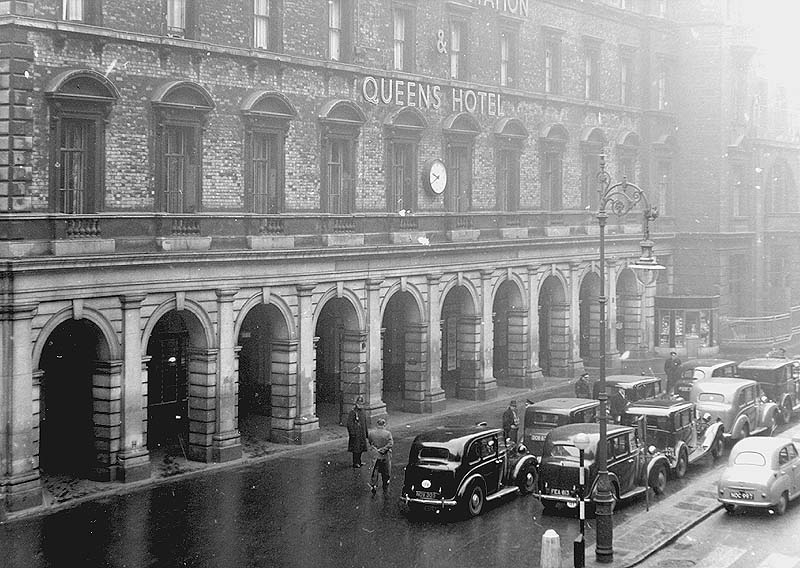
(632, 468)
(673, 427)
(463, 468)
(635, 387)
(541, 417)
(779, 380)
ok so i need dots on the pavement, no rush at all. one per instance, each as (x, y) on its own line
(634, 540)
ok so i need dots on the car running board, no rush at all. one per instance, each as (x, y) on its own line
(633, 493)
(502, 493)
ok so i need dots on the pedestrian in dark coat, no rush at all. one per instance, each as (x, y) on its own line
(582, 388)
(357, 431)
(511, 421)
(381, 442)
(672, 369)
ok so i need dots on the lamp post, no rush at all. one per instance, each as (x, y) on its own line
(620, 198)
(579, 547)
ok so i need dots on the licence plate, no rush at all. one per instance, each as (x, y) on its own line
(538, 437)
(427, 495)
(744, 495)
(560, 492)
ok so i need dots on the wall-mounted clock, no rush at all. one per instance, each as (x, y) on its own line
(434, 175)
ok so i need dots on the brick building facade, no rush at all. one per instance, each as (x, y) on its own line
(222, 219)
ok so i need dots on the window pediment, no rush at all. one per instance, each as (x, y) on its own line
(82, 85)
(183, 94)
(268, 104)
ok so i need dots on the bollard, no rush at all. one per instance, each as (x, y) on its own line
(551, 550)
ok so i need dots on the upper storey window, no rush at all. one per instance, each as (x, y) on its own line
(458, 48)
(552, 64)
(339, 29)
(403, 37)
(266, 25)
(508, 56)
(181, 18)
(85, 11)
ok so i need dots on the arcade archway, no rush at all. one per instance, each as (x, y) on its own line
(589, 305)
(628, 321)
(554, 337)
(460, 344)
(402, 349)
(510, 337)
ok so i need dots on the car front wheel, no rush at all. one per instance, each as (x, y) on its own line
(717, 448)
(475, 499)
(658, 480)
(772, 425)
(786, 412)
(683, 462)
(527, 479)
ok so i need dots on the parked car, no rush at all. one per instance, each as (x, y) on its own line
(761, 473)
(543, 416)
(696, 369)
(636, 387)
(779, 379)
(463, 468)
(673, 427)
(631, 467)
(736, 403)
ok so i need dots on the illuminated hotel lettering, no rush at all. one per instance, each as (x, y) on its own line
(514, 7)
(381, 90)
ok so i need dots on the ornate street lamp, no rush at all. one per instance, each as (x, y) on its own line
(579, 546)
(619, 198)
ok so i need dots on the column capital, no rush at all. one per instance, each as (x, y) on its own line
(434, 279)
(226, 294)
(21, 311)
(132, 301)
(373, 283)
(486, 273)
(305, 289)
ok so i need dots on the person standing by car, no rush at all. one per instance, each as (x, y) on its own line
(357, 432)
(381, 442)
(511, 421)
(582, 388)
(672, 369)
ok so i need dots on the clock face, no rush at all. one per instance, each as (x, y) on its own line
(437, 176)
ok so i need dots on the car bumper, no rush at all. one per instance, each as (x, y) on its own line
(746, 503)
(432, 503)
(570, 499)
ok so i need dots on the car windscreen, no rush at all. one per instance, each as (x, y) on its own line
(566, 450)
(749, 458)
(436, 453)
(549, 419)
(710, 397)
(693, 374)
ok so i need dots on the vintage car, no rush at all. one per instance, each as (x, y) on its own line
(543, 416)
(631, 467)
(779, 379)
(761, 473)
(636, 387)
(463, 468)
(735, 403)
(696, 369)
(673, 427)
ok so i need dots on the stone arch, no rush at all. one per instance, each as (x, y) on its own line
(279, 304)
(460, 320)
(186, 95)
(205, 327)
(77, 394)
(404, 333)
(554, 328)
(516, 280)
(594, 136)
(114, 349)
(461, 123)
(628, 322)
(85, 84)
(556, 132)
(406, 117)
(629, 139)
(510, 127)
(468, 285)
(509, 331)
(269, 105)
(342, 111)
(346, 294)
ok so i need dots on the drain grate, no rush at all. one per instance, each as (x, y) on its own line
(676, 563)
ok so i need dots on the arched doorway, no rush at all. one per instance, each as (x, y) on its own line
(554, 336)
(177, 349)
(341, 361)
(264, 343)
(69, 363)
(460, 344)
(628, 320)
(589, 305)
(509, 341)
(402, 348)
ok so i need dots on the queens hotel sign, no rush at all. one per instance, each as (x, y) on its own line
(388, 91)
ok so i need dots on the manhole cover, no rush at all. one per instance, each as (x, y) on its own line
(676, 563)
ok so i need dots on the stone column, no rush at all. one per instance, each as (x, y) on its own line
(434, 397)
(107, 418)
(471, 383)
(20, 482)
(533, 371)
(306, 423)
(518, 357)
(133, 458)
(416, 368)
(374, 358)
(486, 330)
(226, 443)
(283, 387)
(574, 353)
(612, 354)
(202, 403)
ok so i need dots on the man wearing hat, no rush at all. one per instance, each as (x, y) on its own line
(511, 421)
(357, 431)
(381, 442)
(672, 369)
(582, 389)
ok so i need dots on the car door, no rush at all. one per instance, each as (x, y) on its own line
(492, 462)
(622, 461)
(794, 468)
(746, 401)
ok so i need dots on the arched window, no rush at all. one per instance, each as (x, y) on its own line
(510, 135)
(662, 187)
(181, 109)
(340, 122)
(627, 155)
(79, 103)
(593, 142)
(552, 142)
(403, 130)
(266, 118)
(459, 132)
